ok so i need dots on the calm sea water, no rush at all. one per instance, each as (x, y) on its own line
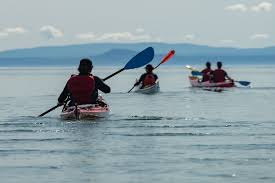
(179, 135)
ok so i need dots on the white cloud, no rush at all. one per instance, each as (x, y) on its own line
(16, 30)
(189, 37)
(259, 36)
(115, 36)
(237, 7)
(123, 36)
(51, 32)
(227, 41)
(262, 7)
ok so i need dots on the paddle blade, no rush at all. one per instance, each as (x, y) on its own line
(141, 59)
(188, 67)
(168, 56)
(196, 73)
(244, 83)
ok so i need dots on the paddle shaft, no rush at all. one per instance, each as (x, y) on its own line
(51, 109)
(131, 89)
(108, 77)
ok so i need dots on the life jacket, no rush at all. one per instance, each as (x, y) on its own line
(149, 80)
(81, 88)
(219, 75)
(206, 74)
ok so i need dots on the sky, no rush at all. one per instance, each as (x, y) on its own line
(220, 23)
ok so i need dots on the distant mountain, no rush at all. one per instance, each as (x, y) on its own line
(120, 53)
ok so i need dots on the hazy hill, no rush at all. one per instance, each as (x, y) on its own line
(120, 53)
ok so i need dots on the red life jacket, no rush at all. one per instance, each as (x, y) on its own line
(219, 75)
(81, 88)
(206, 74)
(149, 80)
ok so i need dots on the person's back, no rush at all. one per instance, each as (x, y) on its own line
(148, 78)
(219, 75)
(206, 73)
(83, 88)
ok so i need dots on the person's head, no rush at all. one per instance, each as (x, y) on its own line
(208, 65)
(219, 65)
(149, 68)
(85, 66)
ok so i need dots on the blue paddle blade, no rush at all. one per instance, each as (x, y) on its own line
(141, 59)
(244, 83)
(196, 73)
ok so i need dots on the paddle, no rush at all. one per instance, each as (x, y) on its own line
(244, 83)
(190, 67)
(165, 59)
(196, 73)
(141, 59)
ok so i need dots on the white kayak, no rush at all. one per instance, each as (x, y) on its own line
(86, 111)
(148, 89)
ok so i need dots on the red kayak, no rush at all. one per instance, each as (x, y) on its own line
(195, 82)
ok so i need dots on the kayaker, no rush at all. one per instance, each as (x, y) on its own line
(148, 78)
(83, 88)
(206, 73)
(219, 75)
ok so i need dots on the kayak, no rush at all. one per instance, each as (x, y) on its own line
(194, 81)
(148, 89)
(86, 111)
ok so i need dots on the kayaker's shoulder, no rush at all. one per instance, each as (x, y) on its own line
(97, 78)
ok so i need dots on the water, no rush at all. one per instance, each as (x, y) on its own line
(179, 135)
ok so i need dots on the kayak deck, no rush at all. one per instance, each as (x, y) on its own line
(194, 81)
(86, 111)
(148, 89)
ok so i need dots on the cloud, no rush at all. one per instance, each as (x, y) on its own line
(123, 36)
(262, 7)
(50, 32)
(189, 37)
(259, 36)
(16, 30)
(227, 41)
(237, 7)
(115, 36)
